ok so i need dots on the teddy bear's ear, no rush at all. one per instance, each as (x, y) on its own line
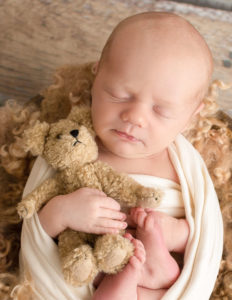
(82, 115)
(34, 138)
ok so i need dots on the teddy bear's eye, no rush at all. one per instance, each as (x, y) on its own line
(58, 136)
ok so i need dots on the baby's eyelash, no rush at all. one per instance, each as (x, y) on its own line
(114, 97)
(123, 96)
(162, 114)
(117, 99)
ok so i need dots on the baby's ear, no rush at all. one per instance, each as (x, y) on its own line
(34, 138)
(95, 67)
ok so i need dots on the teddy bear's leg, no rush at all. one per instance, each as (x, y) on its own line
(112, 252)
(77, 260)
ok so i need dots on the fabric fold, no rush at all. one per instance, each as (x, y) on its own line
(205, 244)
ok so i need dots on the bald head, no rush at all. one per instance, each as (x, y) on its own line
(151, 80)
(159, 34)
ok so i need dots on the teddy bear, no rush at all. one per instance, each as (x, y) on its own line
(69, 147)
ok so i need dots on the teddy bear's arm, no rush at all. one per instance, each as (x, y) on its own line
(33, 201)
(124, 189)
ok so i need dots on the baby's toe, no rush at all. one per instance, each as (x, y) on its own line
(141, 218)
(149, 222)
(139, 251)
(138, 216)
(135, 262)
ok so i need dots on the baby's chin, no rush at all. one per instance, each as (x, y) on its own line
(127, 152)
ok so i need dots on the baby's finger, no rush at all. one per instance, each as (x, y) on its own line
(109, 223)
(107, 202)
(112, 214)
(98, 192)
(104, 230)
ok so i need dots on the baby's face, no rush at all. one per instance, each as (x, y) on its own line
(143, 97)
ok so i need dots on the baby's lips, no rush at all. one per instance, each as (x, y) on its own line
(126, 135)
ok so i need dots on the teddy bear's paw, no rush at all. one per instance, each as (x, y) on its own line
(79, 266)
(26, 209)
(149, 197)
(112, 253)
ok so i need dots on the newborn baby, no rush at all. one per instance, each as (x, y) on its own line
(150, 82)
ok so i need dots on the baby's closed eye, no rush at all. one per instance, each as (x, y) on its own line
(162, 112)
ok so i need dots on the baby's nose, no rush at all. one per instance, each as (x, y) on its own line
(74, 132)
(135, 116)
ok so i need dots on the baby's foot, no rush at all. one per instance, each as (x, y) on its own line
(160, 269)
(123, 285)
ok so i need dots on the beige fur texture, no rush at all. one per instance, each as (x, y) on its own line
(69, 146)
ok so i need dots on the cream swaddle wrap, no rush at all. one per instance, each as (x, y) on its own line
(194, 198)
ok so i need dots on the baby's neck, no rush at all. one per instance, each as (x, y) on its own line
(158, 165)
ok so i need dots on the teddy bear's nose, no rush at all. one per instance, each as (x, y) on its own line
(74, 132)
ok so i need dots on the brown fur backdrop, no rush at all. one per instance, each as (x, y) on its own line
(210, 133)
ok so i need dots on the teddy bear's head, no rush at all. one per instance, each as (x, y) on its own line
(63, 144)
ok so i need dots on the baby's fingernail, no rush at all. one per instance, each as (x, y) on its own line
(124, 225)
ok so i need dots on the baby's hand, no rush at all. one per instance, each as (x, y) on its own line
(88, 210)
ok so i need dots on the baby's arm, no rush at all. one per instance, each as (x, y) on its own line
(87, 210)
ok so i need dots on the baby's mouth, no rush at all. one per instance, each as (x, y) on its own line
(126, 136)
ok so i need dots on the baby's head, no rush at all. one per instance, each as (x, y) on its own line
(151, 78)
